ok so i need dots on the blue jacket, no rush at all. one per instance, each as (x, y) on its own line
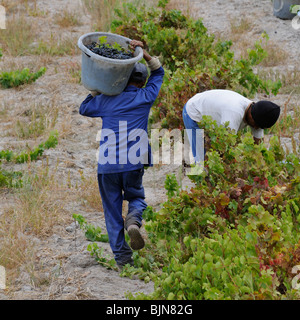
(124, 144)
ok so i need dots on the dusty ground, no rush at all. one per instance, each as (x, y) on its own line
(64, 269)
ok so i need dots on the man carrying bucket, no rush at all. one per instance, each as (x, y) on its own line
(121, 163)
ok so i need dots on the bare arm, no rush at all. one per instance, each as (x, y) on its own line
(152, 62)
(257, 140)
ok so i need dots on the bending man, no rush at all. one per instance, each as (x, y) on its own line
(228, 106)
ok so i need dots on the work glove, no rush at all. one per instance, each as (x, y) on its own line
(154, 64)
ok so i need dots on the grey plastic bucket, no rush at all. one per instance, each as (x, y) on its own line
(281, 9)
(105, 75)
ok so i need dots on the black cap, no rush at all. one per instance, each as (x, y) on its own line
(265, 113)
(139, 73)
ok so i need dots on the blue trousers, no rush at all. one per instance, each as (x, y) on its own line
(195, 137)
(114, 188)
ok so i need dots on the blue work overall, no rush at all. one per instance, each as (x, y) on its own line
(119, 177)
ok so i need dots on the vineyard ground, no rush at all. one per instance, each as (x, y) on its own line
(62, 268)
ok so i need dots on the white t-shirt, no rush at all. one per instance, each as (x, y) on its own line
(222, 106)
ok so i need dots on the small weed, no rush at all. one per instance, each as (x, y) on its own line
(16, 40)
(290, 82)
(56, 46)
(238, 29)
(92, 233)
(98, 254)
(67, 19)
(73, 69)
(89, 192)
(11, 79)
(31, 154)
(102, 12)
(14, 6)
(36, 209)
(42, 119)
(275, 54)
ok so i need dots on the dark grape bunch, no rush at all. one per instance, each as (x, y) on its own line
(107, 51)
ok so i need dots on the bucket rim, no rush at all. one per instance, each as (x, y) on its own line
(95, 56)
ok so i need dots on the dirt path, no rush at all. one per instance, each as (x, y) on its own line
(65, 269)
(217, 16)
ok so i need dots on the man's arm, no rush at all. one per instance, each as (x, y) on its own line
(136, 43)
(157, 73)
(258, 135)
(90, 108)
(152, 62)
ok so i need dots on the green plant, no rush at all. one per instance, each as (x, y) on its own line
(92, 233)
(235, 235)
(10, 179)
(13, 179)
(295, 8)
(103, 42)
(194, 60)
(97, 253)
(19, 77)
(10, 79)
(171, 185)
(31, 154)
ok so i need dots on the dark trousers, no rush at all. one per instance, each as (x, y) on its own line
(114, 188)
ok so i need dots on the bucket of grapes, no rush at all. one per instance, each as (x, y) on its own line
(107, 62)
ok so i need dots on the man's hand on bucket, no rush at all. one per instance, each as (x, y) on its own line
(136, 43)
